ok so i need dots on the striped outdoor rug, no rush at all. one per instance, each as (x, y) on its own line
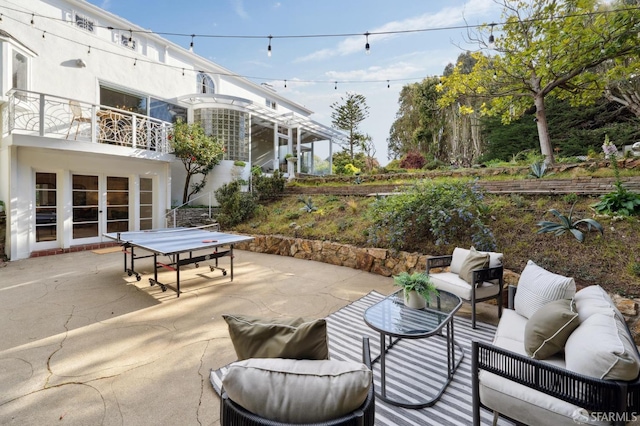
(415, 368)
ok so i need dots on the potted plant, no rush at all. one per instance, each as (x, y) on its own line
(417, 287)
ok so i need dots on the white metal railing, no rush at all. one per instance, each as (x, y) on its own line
(173, 211)
(57, 117)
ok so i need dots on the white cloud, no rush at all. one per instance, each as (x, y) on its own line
(238, 6)
(106, 4)
(277, 5)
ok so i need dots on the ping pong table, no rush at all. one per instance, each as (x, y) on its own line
(174, 242)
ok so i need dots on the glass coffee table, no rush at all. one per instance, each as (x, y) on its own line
(392, 319)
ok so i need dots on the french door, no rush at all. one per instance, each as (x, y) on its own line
(100, 204)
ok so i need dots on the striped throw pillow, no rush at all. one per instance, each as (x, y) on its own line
(537, 287)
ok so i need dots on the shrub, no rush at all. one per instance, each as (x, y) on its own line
(235, 206)
(566, 224)
(443, 212)
(412, 160)
(268, 188)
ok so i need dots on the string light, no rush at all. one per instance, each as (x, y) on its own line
(0, 17)
(285, 84)
(32, 21)
(43, 33)
(492, 39)
(388, 85)
(367, 48)
(130, 36)
(336, 85)
(89, 50)
(191, 45)
(135, 62)
(183, 72)
(269, 47)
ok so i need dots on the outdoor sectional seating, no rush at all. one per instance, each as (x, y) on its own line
(578, 365)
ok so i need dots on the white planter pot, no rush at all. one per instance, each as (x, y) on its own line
(415, 300)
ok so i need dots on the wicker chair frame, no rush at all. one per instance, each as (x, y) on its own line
(233, 414)
(479, 276)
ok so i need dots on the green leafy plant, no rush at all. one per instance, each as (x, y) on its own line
(308, 204)
(566, 224)
(538, 170)
(418, 282)
(621, 201)
(570, 198)
(235, 206)
(239, 163)
(268, 187)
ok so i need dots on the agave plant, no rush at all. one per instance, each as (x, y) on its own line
(308, 204)
(538, 170)
(566, 224)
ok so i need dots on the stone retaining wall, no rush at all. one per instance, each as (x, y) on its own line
(386, 263)
(191, 217)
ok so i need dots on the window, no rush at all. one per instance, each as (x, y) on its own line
(127, 40)
(205, 84)
(19, 70)
(270, 104)
(122, 100)
(229, 126)
(166, 111)
(84, 23)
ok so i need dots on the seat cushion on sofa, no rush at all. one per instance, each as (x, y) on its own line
(528, 405)
(601, 347)
(460, 254)
(451, 282)
(297, 391)
(537, 287)
(594, 299)
(549, 328)
(256, 337)
(475, 260)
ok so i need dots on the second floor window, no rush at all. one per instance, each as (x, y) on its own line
(19, 71)
(205, 84)
(84, 23)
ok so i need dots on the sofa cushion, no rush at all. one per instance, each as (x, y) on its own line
(474, 260)
(549, 328)
(601, 347)
(451, 282)
(255, 337)
(537, 287)
(460, 254)
(594, 299)
(297, 391)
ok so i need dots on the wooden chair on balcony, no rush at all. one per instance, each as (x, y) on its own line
(76, 117)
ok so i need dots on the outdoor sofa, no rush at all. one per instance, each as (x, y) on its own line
(558, 357)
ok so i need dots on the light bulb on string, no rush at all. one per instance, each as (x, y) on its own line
(335, 87)
(32, 19)
(388, 85)
(285, 84)
(191, 45)
(135, 62)
(492, 39)
(183, 72)
(130, 37)
(367, 47)
(269, 47)
(43, 33)
(0, 17)
(88, 50)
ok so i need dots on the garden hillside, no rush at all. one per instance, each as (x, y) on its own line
(432, 216)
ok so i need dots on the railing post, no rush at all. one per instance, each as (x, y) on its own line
(134, 128)
(94, 124)
(41, 116)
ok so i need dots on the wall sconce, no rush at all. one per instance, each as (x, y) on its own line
(80, 63)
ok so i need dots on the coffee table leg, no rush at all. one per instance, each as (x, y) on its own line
(383, 382)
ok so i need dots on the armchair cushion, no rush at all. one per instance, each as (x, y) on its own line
(460, 255)
(451, 282)
(601, 347)
(255, 337)
(474, 260)
(549, 328)
(298, 391)
(537, 287)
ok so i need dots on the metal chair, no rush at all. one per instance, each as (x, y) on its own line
(77, 117)
(233, 414)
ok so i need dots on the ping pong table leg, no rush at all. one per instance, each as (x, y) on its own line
(231, 255)
(178, 273)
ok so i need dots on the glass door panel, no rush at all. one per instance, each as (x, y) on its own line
(46, 207)
(117, 204)
(86, 206)
(146, 203)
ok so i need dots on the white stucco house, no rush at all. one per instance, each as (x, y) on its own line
(87, 101)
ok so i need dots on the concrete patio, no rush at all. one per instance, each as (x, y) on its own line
(84, 344)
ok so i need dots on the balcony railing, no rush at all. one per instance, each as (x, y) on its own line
(62, 118)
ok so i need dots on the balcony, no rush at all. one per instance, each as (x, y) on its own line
(51, 116)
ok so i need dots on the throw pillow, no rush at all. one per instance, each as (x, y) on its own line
(594, 299)
(297, 391)
(474, 260)
(255, 337)
(537, 287)
(601, 347)
(549, 328)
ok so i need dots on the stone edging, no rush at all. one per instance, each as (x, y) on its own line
(387, 263)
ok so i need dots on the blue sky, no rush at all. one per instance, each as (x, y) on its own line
(323, 60)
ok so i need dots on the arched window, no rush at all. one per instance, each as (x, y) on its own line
(205, 84)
